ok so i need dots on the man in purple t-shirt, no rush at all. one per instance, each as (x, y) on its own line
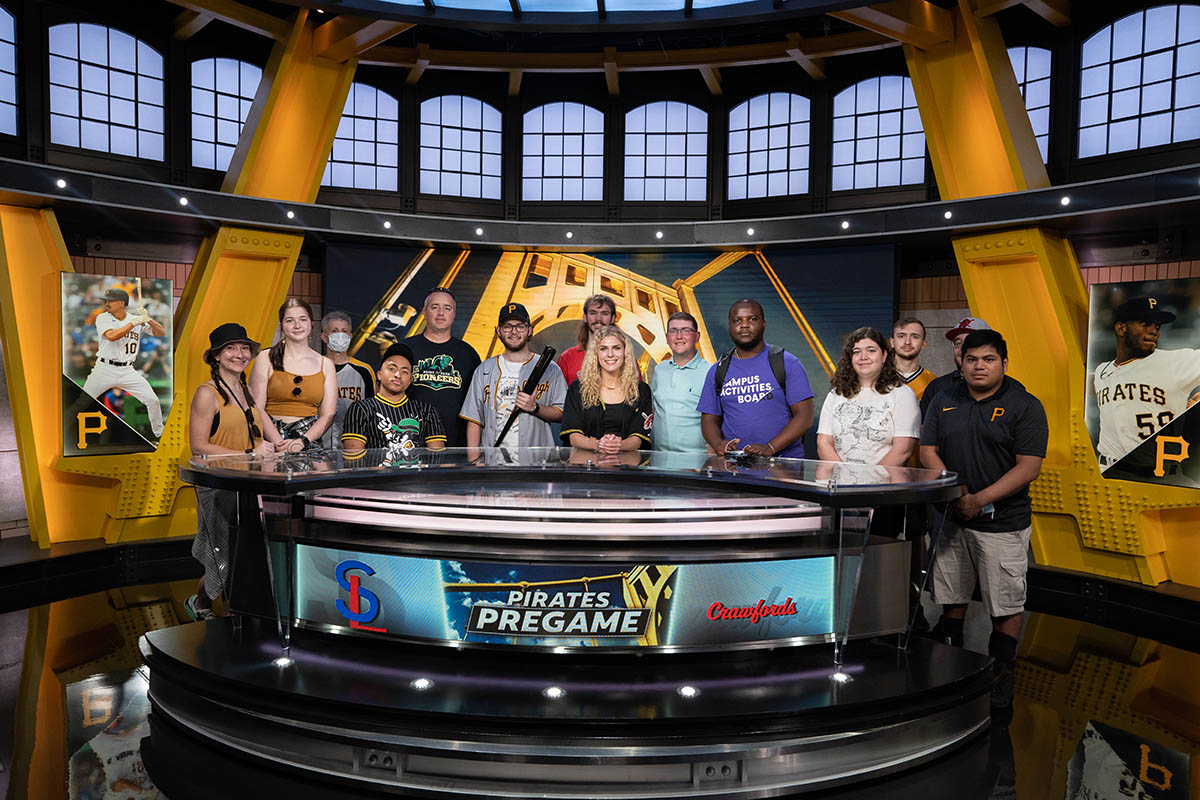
(752, 413)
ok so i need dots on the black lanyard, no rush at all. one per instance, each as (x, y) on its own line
(251, 428)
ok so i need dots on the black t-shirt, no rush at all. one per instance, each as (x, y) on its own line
(981, 439)
(620, 418)
(441, 378)
(398, 427)
(942, 383)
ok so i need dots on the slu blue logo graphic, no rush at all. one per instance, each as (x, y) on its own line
(363, 606)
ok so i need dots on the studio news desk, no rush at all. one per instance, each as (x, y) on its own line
(555, 623)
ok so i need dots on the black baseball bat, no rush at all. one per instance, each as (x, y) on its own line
(539, 369)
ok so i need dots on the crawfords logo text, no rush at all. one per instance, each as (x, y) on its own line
(363, 604)
(549, 614)
(787, 608)
(437, 372)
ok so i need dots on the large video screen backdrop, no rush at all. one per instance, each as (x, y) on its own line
(811, 297)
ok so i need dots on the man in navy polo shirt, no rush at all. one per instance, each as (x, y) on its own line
(993, 433)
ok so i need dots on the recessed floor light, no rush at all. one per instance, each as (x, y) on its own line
(1066, 201)
(658, 234)
(291, 215)
(688, 691)
(387, 224)
(749, 231)
(421, 684)
(570, 235)
(845, 224)
(948, 214)
(553, 692)
(479, 231)
(60, 183)
(183, 201)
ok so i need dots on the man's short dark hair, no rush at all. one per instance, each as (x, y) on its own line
(900, 323)
(685, 316)
(746, 301)
(985, 339)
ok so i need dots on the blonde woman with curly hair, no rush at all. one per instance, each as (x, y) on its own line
(608, 408)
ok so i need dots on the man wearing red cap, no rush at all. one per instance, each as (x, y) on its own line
(948, 382)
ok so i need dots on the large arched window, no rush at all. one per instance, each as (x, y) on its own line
(562, 153)
(8, 73)
(1031, 65)
(106, 91)
(460, 147)
(222, 91)
(877, 135)
(366, 145)
(768, 146)
(1140, 81)
(666, 152)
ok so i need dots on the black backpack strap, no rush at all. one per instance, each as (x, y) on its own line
(775, 356)
(719, 376)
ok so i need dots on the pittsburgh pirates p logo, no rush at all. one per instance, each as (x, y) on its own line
(82, 419)
(1162, 456)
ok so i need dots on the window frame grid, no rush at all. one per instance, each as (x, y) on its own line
(900, 160)
(6, 74)
(1110, 65)
(140, 105)
(788, 170)
(386, 174)
(643, 158)
(243, 102)
(1043, 139)
(447, 154)
(590, 187)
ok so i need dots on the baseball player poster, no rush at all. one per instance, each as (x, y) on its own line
(117, 365)
(1143, 374)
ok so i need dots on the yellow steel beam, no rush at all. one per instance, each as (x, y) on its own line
(1056, 12)
(188, 23)
(420, 62)
(289, 131)
(918, 23)
(612, 71)
(1026, 283)
(814, 49)
(712, 79)
(514, 82)
(344, 36)
(241, 16)
(796, 48)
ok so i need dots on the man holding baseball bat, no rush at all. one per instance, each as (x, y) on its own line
(119, 333)
(496, 390)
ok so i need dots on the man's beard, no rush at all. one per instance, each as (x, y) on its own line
(753, 343)
(517, 348)
(1135, 347)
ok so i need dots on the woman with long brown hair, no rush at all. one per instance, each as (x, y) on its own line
(869, 415)
(608, 408)
(296, 385)
(223, 419)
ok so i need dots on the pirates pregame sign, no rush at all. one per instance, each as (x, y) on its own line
(1144, 380)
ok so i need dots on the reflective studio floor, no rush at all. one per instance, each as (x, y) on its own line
(1098, 713)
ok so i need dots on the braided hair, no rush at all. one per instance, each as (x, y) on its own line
(220, 384)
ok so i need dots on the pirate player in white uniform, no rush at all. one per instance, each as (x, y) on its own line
(1143, 388)
(119, 334)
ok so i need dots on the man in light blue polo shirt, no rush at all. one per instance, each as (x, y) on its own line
(676, 385)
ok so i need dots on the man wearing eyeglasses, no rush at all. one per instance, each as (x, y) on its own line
(676, 385)
(444, 365)
(496, 388)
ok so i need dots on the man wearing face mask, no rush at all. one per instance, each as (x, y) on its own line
(354, 378)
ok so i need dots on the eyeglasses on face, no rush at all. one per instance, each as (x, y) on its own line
(680, 331)
(514, 327)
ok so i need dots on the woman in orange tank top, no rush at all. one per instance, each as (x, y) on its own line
(223, 420)
(294, 384)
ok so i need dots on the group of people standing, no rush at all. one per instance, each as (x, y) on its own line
(432, 390)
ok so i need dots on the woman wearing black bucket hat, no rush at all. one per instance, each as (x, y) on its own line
(223, 420)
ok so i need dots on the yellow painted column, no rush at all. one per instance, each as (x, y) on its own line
(1026, 283)
(239, 275)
